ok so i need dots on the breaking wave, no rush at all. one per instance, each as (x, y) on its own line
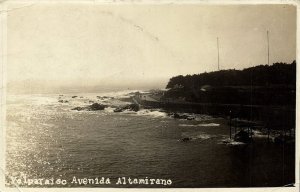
(200, 125)
(231, 142)
(197, 135)
(153, 113)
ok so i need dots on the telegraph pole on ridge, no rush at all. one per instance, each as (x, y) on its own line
(218, 54)
(268, 47)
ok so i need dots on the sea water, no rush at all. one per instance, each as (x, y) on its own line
(48, 141)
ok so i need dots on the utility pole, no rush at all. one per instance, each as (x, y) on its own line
(218, 54)
(268, 65)
(268, 47)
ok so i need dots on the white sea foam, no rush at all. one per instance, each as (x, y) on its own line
(202, 117)
(128, 112)
(231, 142)
(203, 136)
(236, 143)
(209, 125)
(109, 109)
(197, 135)
(200, 125)
(115, 94)
(153, 113)
(259, 134)
(186, 125)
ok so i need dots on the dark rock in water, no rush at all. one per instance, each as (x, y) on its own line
(118, 110)
(78, 108)
(133, 107)
(283, 139)
(185, 139)
(242, 136)
(187, 117)
(279, 139)
(190, 118)
(63, 101)
(125, 99)
(226, 141)
(93, 107)
(176, 116)
(96, 106)
(104, 97)
(91, 102)
(130, 107)
(74, 96)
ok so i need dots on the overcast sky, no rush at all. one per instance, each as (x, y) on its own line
(136, 45)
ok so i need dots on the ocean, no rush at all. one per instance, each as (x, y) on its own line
(50, 145)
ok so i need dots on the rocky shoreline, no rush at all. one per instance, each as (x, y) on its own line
(245, 127)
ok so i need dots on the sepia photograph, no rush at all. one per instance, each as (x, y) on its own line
(148, 95)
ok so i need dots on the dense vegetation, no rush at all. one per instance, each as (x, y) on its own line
(262, 75)
(259, 85)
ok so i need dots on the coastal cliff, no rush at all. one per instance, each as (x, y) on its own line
(262, 93)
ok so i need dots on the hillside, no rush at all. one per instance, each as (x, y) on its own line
(259, 85)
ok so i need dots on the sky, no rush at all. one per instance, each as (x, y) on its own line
(73, 46)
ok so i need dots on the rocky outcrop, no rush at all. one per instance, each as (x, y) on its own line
(182, 116)
(130, 107)
(96, 106)
(78, 108)
(93, 107)
(242, 136)
(185, 139)
(281, 139)
(63, 101)
(118, 110)
(104, 97)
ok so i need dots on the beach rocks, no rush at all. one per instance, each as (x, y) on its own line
(130, 107)
(182, 116)
(63, 101)
(242, 136)
(93, 107)
(185, 139)
(74, 96)
(96, 106)
(78, 108)
(104, 97)
(118, 110)
(280, 139)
